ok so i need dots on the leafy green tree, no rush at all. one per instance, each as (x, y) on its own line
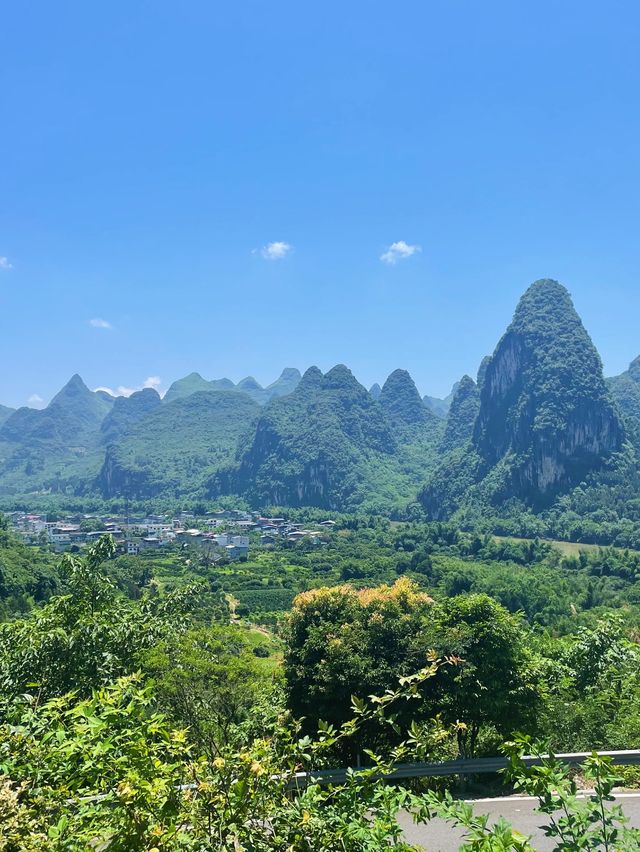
(495, 686)
(88, 637)
(208, 680)
(342, 642)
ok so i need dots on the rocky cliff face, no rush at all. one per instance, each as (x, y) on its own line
(546, 419)
(544, 401)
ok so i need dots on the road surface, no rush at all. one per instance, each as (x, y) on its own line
(438, 836)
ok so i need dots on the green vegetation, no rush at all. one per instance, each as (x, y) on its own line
(177, 446)
(126, 411)
(625, 390)
(462, 415)
(546, 420)
(140, 708)
(540, 446)
(330, 444)
(27, 575)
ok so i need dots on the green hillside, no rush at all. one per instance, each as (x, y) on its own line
(175, 448)
(330, 444)
(625, 390)
(545, 421)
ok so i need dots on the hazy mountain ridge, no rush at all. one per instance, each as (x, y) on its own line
(286, 382)
(539, 421)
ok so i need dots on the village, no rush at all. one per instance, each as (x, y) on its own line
(224, 534)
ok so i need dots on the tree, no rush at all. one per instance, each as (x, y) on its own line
(494, 684)
(88, 637)
(208, 680)
(342, 642)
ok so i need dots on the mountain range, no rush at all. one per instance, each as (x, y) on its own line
(537, 422)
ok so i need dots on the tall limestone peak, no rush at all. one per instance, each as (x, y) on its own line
(546, 419)
(341, 377)
(249, 384)
(401, 401)
(544, 402)
(462, 415)
(71, 416)
(311, 379)
(375, 390)
(74, 389)
(286, 383)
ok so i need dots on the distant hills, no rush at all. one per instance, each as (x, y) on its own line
(193, 383)
(538, 422)
(176, 446)
(331, 444)
(5, 413)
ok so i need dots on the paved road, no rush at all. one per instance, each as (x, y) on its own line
(438, 836)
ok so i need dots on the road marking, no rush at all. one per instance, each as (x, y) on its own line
(583, 795)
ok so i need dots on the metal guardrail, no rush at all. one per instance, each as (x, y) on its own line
(476, 766)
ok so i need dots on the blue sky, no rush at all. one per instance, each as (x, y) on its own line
(150, 151)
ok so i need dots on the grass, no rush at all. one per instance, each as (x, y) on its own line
(567, 548)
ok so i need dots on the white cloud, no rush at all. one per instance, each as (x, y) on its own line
(100, 323)
(399, 251)
(123, 390)
(276, 250)
(5, 264)
(35, 399)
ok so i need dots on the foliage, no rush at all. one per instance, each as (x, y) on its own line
(209, 681)
(576, 824)
(496, 683)
(96, 756)
(341, 642)
(87, 637)
(27, 575)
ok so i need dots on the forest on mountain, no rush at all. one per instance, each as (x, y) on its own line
(539, 444)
